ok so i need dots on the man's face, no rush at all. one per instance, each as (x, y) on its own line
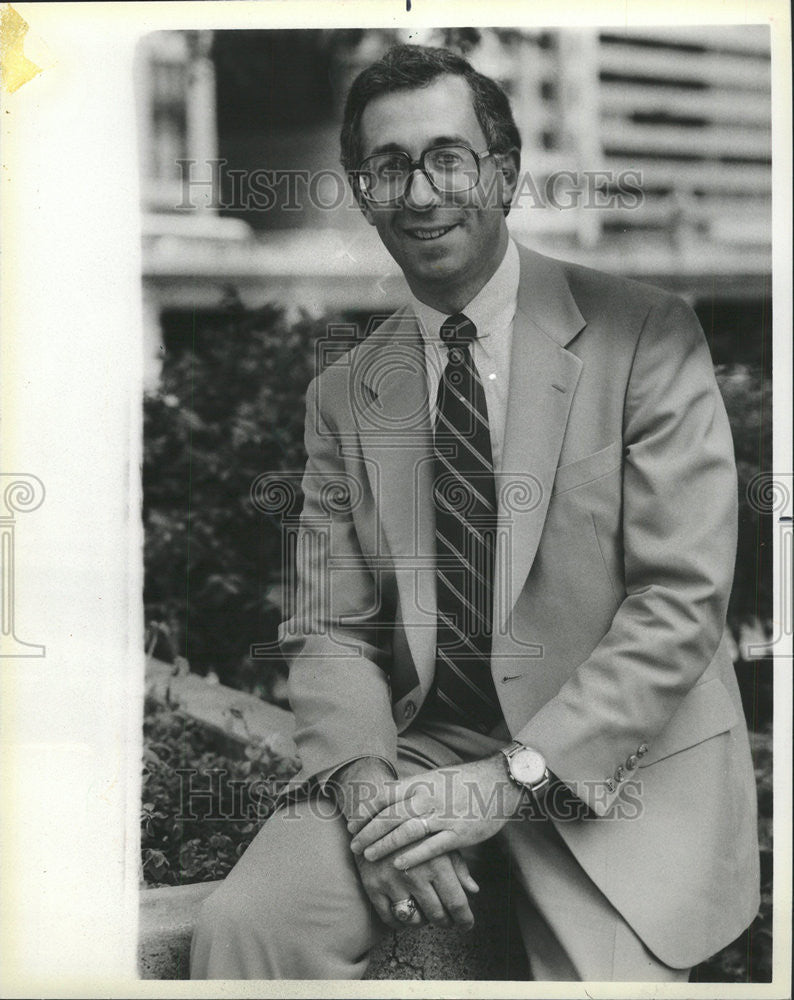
(438, 240)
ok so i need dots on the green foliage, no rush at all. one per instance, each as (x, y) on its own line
(748, 399)
(200, 808)
(229, 408)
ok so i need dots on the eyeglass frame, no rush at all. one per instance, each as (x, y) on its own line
(414, 165)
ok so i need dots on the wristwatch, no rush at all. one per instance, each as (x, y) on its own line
(526, 767)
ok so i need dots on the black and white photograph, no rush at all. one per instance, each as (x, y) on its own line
(397, 501)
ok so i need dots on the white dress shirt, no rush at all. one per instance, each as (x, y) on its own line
(492, 311)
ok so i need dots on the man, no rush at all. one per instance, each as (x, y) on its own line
(517, 547)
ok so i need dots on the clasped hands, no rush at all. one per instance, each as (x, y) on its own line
(407, 837)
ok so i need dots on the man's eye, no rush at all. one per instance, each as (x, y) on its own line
(447, 158)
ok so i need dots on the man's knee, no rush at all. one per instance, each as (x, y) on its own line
(227, 916)
(220, 912)
(215, 937)
(293, 904)
(280, 927)
(291, 863)
(247, 905)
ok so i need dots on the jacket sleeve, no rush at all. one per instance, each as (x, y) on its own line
(336, 650)
(679, 539)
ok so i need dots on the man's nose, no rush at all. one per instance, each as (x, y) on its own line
(420, 193)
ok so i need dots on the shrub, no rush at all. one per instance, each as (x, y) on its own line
(229, 408)
(200, 808)
(747, 393)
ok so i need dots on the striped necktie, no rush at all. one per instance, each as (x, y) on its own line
(465, 506)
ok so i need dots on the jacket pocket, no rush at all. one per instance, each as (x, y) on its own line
(585, 470)
(705, 712)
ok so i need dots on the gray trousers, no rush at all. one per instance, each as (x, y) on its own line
(294, 908)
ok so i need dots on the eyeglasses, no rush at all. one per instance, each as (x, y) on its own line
(385, 177)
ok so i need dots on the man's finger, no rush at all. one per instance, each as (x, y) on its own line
(383, 905)
(429, 848)
(374, 832)
(452, 895)
(356, 823)
(387, 819)
(463, 873)
(430, 904)
(383, 836)
(386, 797)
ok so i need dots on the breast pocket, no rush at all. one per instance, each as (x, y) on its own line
(588, 469)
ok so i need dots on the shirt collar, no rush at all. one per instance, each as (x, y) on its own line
(492, 308)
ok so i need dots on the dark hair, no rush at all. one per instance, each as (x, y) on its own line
(408, 67)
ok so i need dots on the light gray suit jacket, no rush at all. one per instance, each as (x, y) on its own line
(617, 525)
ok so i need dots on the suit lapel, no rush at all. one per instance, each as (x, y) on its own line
(543, 377)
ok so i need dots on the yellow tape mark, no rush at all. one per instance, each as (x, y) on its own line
(15, 67)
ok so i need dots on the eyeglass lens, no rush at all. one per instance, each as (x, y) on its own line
(451, 169)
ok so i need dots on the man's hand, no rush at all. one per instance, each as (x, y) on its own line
(438, 886)
(445, 809)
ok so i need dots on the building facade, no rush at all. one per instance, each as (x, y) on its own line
(647, 153)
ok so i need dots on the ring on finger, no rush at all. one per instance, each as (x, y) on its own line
(404, 909)
(424, 820)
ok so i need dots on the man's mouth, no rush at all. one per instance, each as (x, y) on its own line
(428, 233)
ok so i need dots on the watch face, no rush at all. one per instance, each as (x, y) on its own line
(528, 766)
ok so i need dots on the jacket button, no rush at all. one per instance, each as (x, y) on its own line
(632, 762)
(642, 749)
(610, 783)
(620, 773)
(409, 710)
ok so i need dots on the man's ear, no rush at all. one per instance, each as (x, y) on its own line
(509, 164)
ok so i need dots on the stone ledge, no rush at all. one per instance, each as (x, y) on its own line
(232, 716)
(492, 951)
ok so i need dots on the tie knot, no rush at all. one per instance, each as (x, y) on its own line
(458, 329)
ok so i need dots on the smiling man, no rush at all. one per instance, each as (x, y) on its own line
(448, 247)
(509, 627)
